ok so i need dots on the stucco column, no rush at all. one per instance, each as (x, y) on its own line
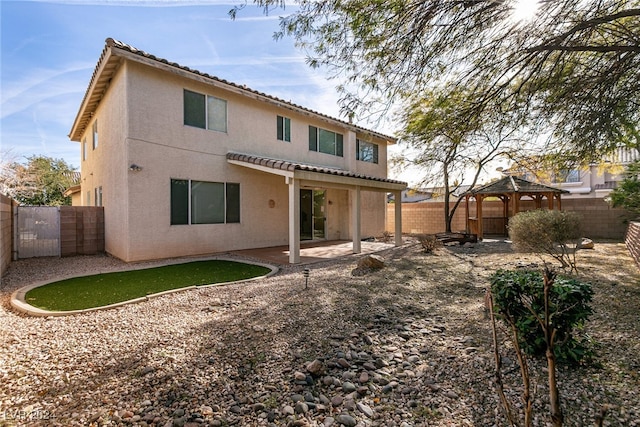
(355, 219)
(294, 220)
(397, 196)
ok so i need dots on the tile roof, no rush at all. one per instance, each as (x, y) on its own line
(512, 184)
(97, 88)
(288, 165)
(74, 176)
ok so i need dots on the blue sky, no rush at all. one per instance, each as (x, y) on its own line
(49, 50)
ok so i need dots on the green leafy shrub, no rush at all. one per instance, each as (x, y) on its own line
(555, 233)
(518, 298)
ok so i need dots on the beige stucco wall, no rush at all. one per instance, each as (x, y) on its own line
(140, 121)
(107, 165)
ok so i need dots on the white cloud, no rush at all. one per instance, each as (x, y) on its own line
(40, 84)
(143, 3)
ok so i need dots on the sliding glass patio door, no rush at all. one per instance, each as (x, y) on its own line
(312, 214)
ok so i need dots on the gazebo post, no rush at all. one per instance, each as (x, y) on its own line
(505, 211)
(466, 210)
(550, 198)
(479, 199)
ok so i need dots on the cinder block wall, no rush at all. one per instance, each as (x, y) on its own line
(7, 209)
(632, 240)
(81, 230)
(599, 220)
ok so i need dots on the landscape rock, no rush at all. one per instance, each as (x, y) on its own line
(345, 420)
(374, 262)
(587, 244)
(316, 368)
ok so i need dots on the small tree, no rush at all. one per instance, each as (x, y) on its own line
(451, 146)
(541, 312)
(554, 233)
(41, 181)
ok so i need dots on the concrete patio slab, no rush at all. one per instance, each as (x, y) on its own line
(311, 252)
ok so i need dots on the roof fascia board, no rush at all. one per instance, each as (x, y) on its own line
(104, 61)
(285, 173)
(323, 178)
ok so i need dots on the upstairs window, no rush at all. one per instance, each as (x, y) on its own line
(284, 128)
(366, 151)
(325, 141)
(84, 149)
(566, 176)
(206, 112)
(95, 134)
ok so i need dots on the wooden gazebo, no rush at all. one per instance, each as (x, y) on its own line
(510, 190)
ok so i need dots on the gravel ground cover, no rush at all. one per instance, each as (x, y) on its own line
(408, 345)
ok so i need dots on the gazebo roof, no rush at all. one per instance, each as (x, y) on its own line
(512, 184)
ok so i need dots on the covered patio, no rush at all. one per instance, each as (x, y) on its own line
(299, 175)
(510, 190)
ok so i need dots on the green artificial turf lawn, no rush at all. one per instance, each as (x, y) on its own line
(109, 288)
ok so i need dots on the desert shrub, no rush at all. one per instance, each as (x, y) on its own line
(555, 233)
(429, 242)
(518, 298)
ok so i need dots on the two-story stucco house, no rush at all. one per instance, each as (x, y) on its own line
(185, 163)
(595, 180)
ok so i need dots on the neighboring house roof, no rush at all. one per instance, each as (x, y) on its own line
(110, 61)
(74, 175)
(512, 184)
(71, 190)
(431, 194)
(289, 166)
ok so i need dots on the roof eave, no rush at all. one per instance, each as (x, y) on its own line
(106, 67)
(114, 49)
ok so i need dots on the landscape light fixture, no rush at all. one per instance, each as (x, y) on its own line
(306, 277)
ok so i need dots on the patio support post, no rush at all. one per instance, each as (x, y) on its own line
(550, 198)
(294, 220)
(355, 211)
(397, 197)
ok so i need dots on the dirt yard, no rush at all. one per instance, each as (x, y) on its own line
(408, 345)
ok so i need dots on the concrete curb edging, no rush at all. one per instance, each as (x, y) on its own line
(18, 297)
